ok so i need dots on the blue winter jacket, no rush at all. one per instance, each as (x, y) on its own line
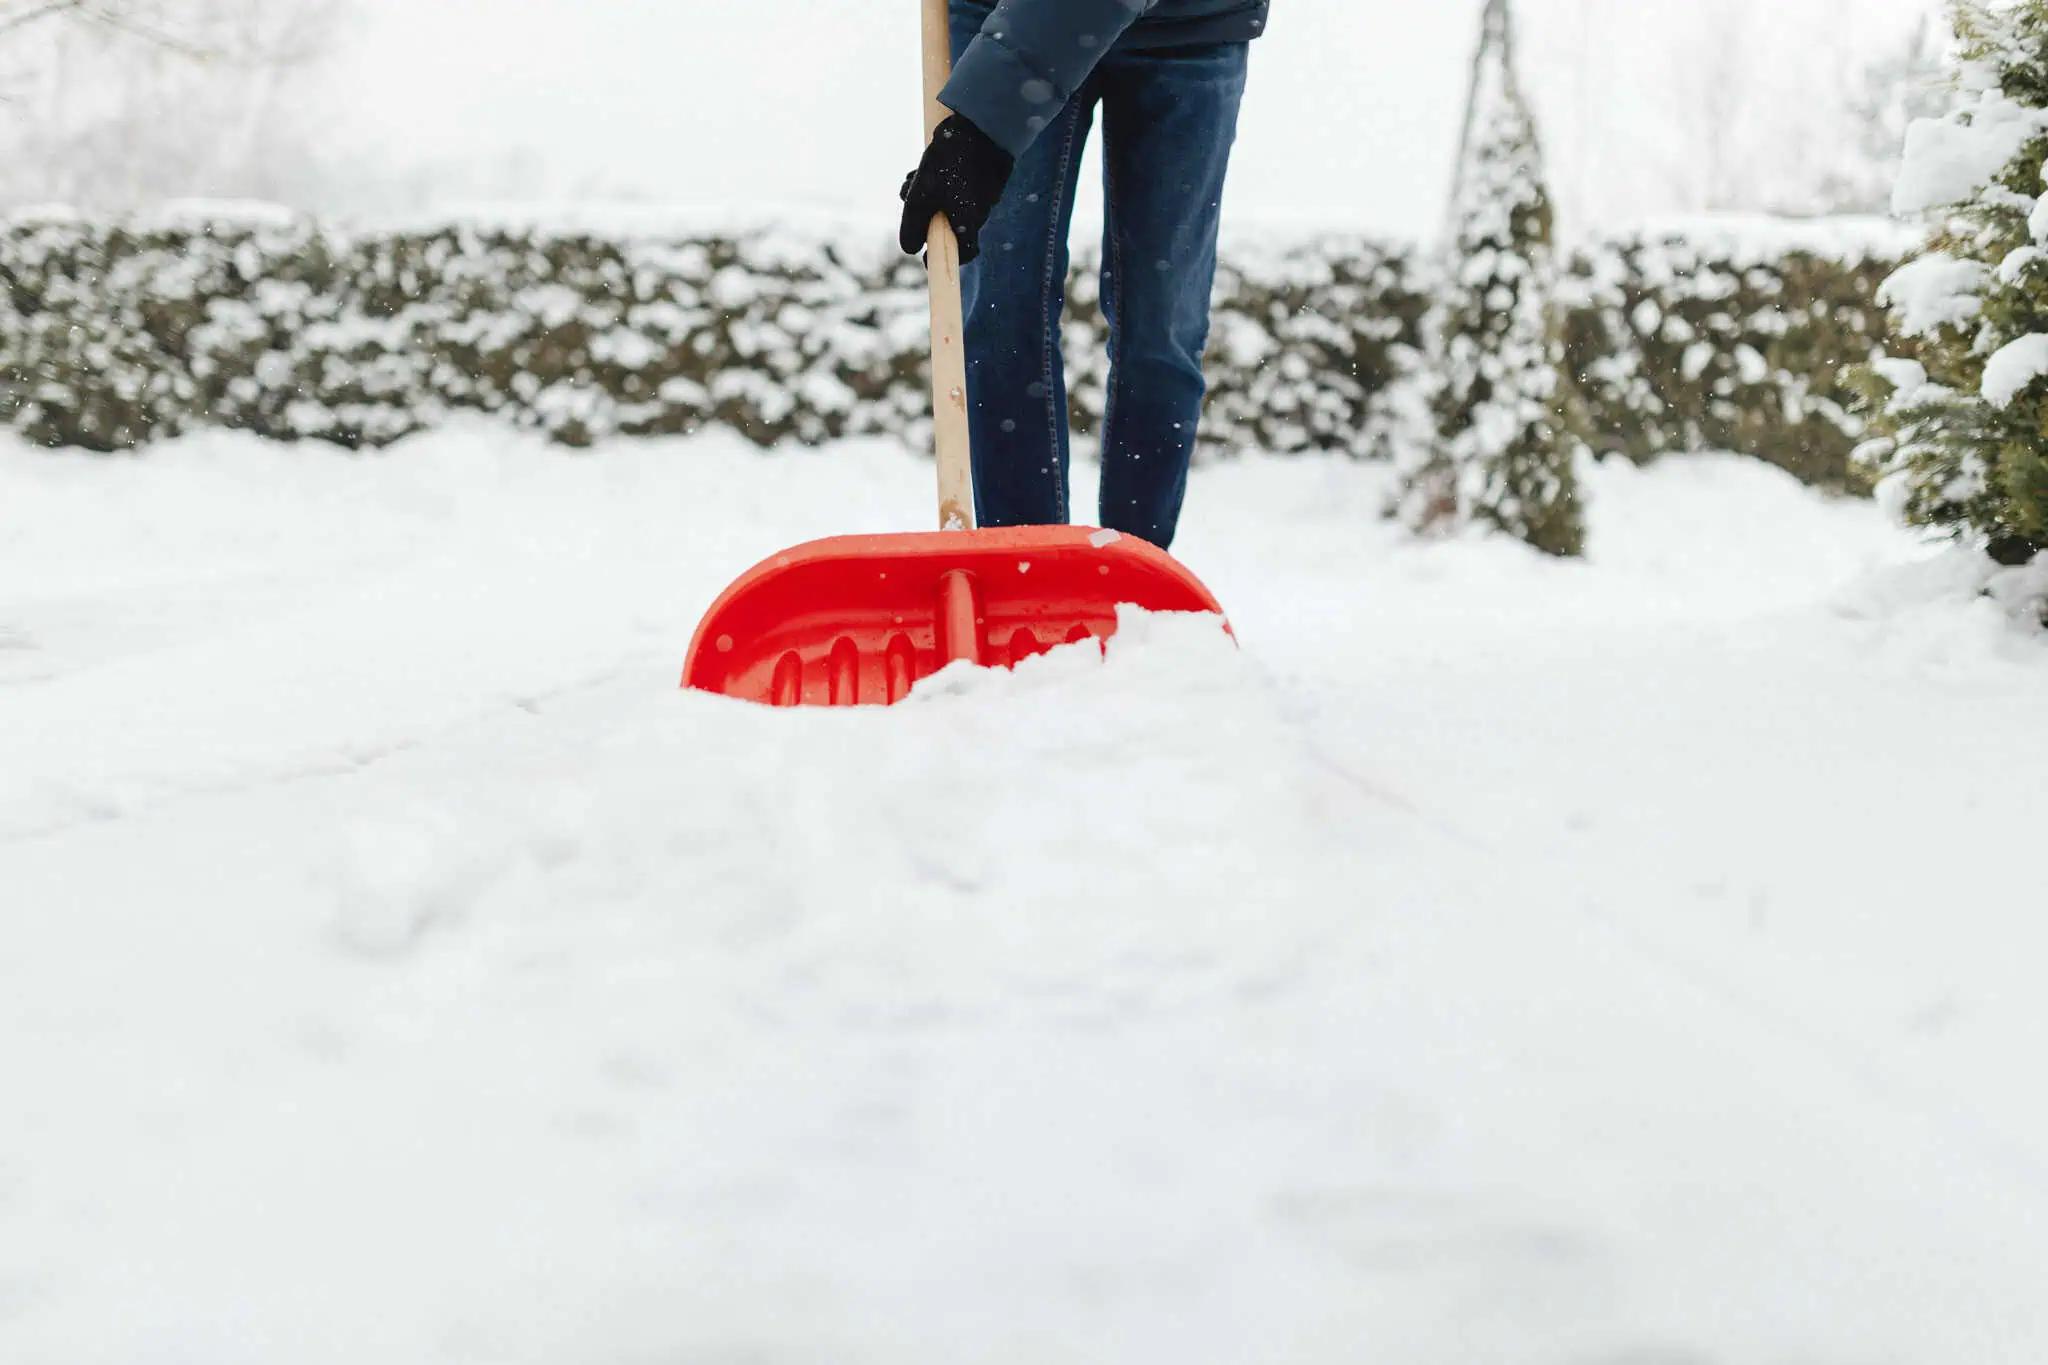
(1032, 55)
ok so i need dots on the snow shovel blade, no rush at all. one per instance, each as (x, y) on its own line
(858, 620)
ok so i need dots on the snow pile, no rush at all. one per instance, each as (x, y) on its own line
(1496, 958)
(1960, 595)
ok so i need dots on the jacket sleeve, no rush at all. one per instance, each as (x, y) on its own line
(1029, 59)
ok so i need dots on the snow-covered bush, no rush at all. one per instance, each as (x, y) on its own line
(113, 333)
(1731, 334)
(1963, 428)
(1509, 429)
(586, 335)
(1313, 345)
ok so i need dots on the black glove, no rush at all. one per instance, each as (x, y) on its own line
(962, 177)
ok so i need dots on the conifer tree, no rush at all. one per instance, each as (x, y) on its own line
(1507, 437)
(1963, 431)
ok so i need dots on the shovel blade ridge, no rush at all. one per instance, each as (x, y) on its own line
(860, 620)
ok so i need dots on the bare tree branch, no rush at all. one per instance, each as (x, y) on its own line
(110, 16)
(121, 102)
(8, 23)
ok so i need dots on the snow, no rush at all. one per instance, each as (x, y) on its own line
(2037, 228)
(1495, 959)
(2013, 367)
(1752, 239)
(1932, 292)
(1948, 161)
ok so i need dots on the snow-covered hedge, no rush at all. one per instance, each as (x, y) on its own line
(1732, 334)
(112, 334)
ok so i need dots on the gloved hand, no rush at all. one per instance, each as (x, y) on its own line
(962, 176)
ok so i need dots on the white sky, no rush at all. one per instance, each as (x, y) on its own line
(1350, 120)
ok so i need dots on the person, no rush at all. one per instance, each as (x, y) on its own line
(1029, 77)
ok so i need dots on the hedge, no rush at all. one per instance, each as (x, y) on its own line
(1733, 335)
(117, 333)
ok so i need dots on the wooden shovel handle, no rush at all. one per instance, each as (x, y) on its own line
(949, 326)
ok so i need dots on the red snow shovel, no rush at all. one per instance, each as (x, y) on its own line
(857, 620)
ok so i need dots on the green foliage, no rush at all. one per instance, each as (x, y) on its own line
(1961, 423)
(1310, 346)
(113, 334)
(1742, 337)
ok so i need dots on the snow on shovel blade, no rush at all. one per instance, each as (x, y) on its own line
(858, 620)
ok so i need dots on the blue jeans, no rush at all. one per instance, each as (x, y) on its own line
(1169, 118)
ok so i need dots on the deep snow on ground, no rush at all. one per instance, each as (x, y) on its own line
(1496, 960)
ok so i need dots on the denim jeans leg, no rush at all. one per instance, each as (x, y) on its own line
(1014, 295)
(1168, 121)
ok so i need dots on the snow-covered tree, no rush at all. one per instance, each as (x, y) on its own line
(1963, 432)
(1507, 439)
